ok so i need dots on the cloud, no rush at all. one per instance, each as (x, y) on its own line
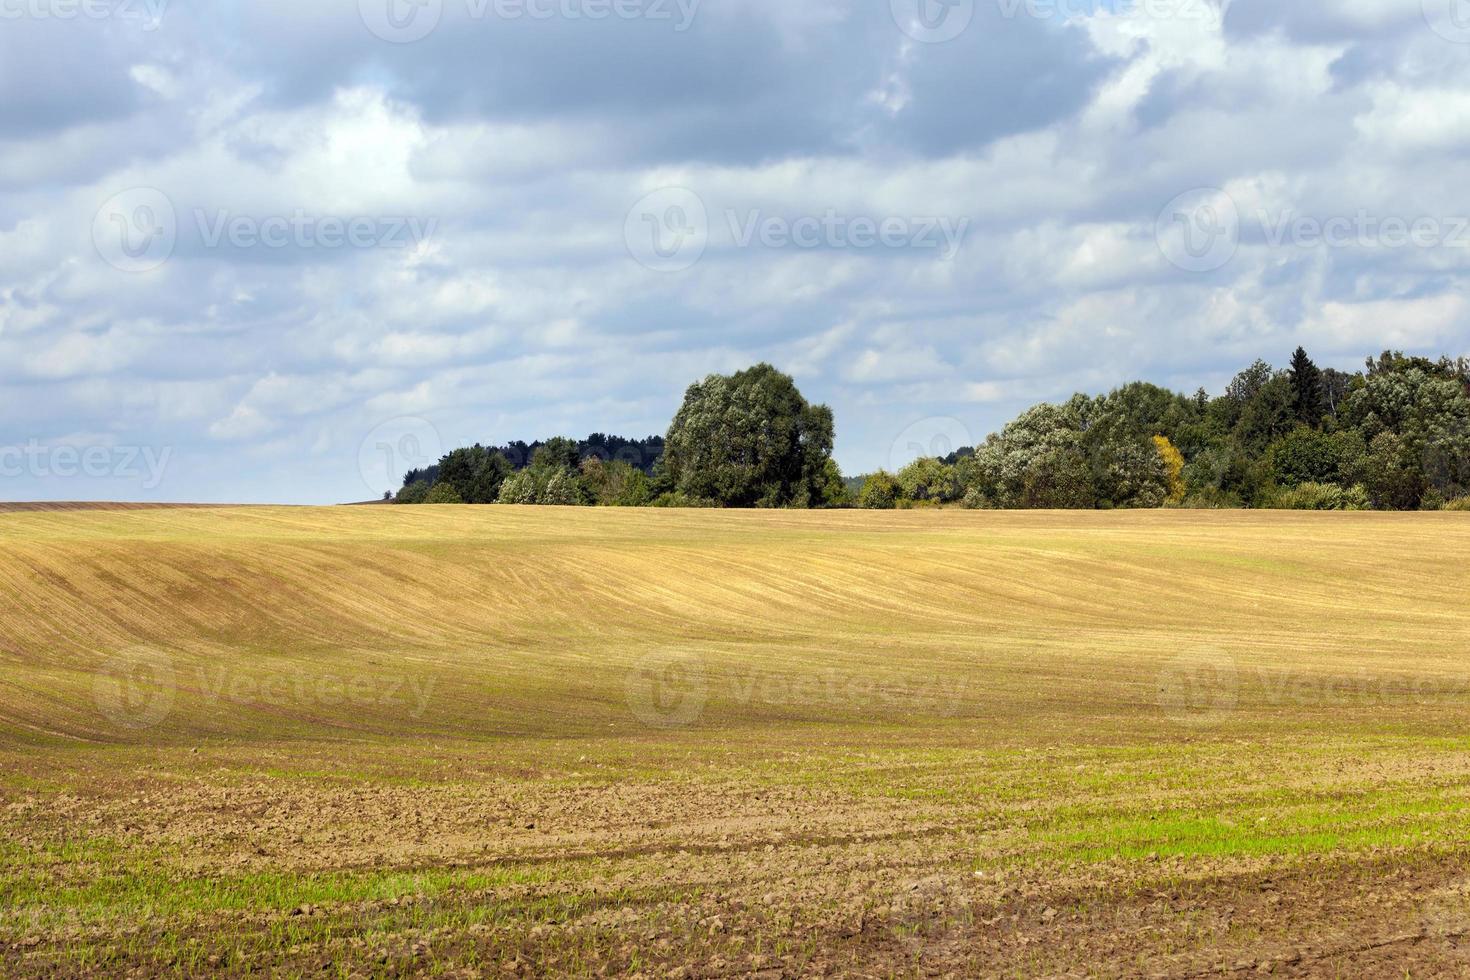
(492, 166)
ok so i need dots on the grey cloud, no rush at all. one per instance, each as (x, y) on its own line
(526, 315)
(59, 74)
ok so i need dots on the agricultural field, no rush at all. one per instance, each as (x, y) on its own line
(500, 741)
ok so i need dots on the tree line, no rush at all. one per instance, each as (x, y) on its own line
(1394, 436)
(540, 472)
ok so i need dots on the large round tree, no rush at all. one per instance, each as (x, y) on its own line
(750, 440)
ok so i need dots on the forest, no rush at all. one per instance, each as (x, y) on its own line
(1393, 436)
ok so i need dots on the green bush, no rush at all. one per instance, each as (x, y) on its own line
(1318, 496)
(519, 489)
(414, 493)
(1394, 478)
(562, 490)
(833, 487)
(1306, 455)
(1356, 498)
(681, 501)
(615, 483)
(443, 493)
(929, 480)
(880, 492)
(1212, 498)
(637, 492)
(1462, 504)
(977, 500)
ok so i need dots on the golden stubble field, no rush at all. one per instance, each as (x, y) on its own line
(497, 741)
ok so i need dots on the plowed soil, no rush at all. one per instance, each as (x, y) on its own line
(525, 742)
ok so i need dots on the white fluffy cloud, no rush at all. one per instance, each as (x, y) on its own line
(358, 233)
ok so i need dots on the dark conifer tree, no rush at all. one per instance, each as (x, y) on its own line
(1306, 386)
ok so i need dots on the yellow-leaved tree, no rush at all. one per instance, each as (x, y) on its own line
(1174, 466)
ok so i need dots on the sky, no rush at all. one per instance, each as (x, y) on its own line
(282, 251)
